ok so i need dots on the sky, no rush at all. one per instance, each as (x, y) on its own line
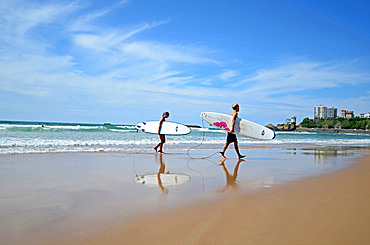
(128, 61)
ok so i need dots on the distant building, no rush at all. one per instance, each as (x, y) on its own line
(319, 111)
(291, 120)
(346, 114)
(350, 114)
(322, 111)
(365, 115)
(332, 112)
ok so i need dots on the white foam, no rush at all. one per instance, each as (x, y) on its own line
(123, 138)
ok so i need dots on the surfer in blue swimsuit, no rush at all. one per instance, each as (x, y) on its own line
(231, 136)
(161, 136)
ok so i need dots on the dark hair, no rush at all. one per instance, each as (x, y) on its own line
(165, 113)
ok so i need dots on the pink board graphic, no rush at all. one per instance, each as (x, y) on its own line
(221, 125)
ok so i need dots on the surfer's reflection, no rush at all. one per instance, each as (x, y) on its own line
(230, 179)
(161, 170)
(162, 179)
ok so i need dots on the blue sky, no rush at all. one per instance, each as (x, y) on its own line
(128, 61)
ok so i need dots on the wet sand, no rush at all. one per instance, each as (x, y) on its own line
(93, 198)
(332, 208)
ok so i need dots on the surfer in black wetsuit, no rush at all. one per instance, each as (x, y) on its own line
(231, 136)
(161, 136)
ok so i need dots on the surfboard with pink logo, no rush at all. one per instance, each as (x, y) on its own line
(242, 127)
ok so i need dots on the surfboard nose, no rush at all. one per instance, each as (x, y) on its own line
(274, 135)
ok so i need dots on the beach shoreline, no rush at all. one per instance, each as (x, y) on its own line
(327, 209)
(93, 198)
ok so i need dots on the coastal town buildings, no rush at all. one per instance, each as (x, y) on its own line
(292, 120)
(322, 111)
(346, 114)
(365, 115)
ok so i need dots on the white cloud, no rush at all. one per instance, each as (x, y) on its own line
(165, 53)
(127, 63)
(301, 76)
(20, 17)
(23, 25)
(227, 75)
(104, 40)
(87, 22)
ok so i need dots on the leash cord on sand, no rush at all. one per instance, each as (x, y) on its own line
(199, 146)
(142, 148)
(203, 136)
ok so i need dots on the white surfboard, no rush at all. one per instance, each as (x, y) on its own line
(169, 128)
(165, 179)
(242, 127)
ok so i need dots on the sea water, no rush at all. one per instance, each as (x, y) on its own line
(41, 137)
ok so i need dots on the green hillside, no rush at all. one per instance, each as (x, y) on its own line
(339, 123)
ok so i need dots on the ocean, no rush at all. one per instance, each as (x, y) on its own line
(18, 137)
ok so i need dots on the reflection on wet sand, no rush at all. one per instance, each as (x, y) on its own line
(161, 170)
(163, 179)
(245, 185)
(321, 155)
(230, 179)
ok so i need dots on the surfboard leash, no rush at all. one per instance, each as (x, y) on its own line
(199, 146)
(142, 148)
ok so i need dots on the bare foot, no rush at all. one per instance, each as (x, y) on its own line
(222, 155)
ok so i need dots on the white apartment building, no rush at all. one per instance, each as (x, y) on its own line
(365, 115)
(346, 114)
(322, 111)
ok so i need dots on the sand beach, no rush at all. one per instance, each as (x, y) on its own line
(275, 196)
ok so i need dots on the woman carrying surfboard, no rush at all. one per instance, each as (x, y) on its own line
(161, 136)
(231, 136)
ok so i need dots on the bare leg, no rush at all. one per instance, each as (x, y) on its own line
(223, 150)
(160, 145)
(163, 140)
(237, 150)
(155, 148)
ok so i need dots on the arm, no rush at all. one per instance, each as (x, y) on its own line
(234, 115)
